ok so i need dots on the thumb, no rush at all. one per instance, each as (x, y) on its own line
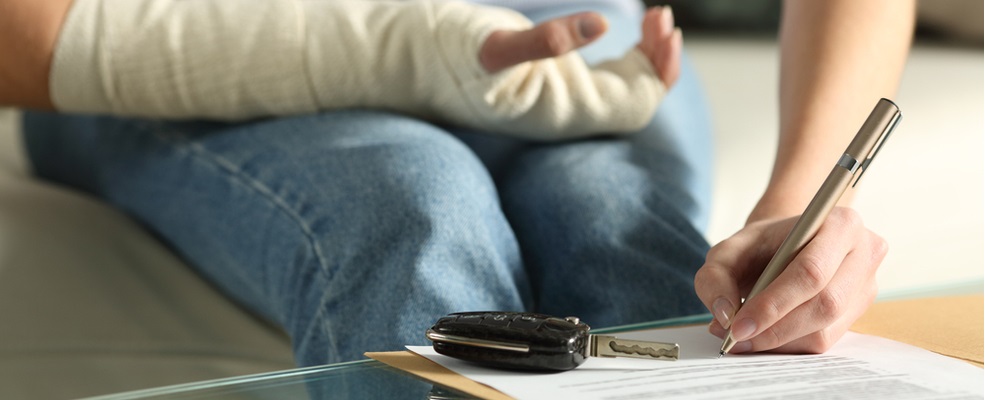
(506, 48)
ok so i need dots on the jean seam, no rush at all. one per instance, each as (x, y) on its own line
(238, 176)
(330, 340)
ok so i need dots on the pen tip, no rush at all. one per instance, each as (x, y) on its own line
(721, 353)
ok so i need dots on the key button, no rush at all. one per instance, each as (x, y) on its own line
(496, 320)
(526, 322)
(470, 318)
(558, 324)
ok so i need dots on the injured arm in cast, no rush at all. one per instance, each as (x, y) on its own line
(232, 61)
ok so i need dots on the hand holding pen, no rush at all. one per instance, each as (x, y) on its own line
(820, 267)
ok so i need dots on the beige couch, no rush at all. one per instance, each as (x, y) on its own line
(91, 304)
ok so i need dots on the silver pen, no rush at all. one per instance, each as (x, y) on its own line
(851, 165)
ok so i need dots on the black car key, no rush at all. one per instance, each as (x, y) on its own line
(532, 341)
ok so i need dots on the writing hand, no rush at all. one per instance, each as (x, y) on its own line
(812, 302)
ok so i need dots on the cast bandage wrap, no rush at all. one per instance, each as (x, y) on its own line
(234, 60)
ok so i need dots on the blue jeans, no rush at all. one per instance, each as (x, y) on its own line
(355, 230)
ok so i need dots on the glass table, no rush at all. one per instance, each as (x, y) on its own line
(363, 379)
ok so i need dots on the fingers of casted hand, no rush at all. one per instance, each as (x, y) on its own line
(662, 43)
(506, 48)
(833, 277)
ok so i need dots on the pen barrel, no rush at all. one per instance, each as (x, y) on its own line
(874, 130)
(852, 164)
(806, 227)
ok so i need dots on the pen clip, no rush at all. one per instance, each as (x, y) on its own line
(878, 145)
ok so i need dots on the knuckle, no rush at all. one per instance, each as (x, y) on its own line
(703, 276)
(713, 252)
(829, 305)
(703, 272)
(880, 248)
(769, 339)
(710, 281)
(771, 309)
(722, 249)
(811, 271)
(703, 283)
(847, 216)
(717, 252)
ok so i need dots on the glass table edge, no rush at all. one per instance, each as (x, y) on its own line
(220, 382)
(669, 322)
(201, 385)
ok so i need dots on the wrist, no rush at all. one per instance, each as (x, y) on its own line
(788, 202)
(771, 208)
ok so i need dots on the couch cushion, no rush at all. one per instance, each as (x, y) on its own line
(12, 158)
(89, 298)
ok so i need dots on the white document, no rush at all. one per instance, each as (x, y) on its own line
(859, 367)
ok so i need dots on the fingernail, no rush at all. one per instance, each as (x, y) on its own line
(723, 310)
(741, 347)
(591, 26)
(743, 329)
(668, 20)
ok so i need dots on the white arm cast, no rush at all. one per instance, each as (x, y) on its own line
(233, 60)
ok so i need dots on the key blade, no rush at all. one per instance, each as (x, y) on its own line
(610, 346)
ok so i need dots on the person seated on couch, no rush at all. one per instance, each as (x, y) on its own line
(355, 170)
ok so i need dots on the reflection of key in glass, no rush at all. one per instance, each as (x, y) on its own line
(533, 341)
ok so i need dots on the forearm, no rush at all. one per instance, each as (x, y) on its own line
(226, 60)
(28, 31)
(838, 58)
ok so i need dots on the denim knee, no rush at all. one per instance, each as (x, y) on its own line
(410, 227)
(588, 212)
(353, 230)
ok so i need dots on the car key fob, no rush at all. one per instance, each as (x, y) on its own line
(530, 341)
